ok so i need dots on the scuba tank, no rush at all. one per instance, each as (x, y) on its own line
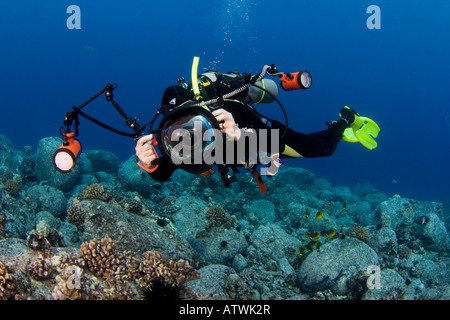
(253, 94)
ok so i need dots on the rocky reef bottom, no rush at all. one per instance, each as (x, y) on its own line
(108, 231)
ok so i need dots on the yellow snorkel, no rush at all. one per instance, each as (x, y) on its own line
(363, 130)
(194, 79)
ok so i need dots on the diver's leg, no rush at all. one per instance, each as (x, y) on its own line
(317, 144)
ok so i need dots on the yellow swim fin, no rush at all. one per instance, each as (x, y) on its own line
(363, 130)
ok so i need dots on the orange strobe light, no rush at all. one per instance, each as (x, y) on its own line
(65, 157)
(296, 80)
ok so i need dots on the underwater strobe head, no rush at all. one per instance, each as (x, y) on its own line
(296, 80)
(65, 157)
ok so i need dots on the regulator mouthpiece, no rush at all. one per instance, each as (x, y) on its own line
(65, 157)
(296, 80)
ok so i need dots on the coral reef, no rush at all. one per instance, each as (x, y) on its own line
(75, 213)
(40, 269)
(216, 217)
(166, 277)
(68, 284)
(108, 231)
(97, 271)
(359, 233)
(54, 238)
(96, 191)
(3, 232)
(101, 257)
(37, 241)
(6, 283)
(13, 187)
(134, 205)
(404, 252)
(7, 175)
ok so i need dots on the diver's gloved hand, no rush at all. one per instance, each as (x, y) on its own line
(146, 153)
(348, 115)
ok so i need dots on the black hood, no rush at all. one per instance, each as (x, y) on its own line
(176, 95)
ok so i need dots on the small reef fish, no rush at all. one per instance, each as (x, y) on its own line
(344, 206)
(422, 220)
(329, 233)
(329, 203)
(302, 251)
(319, 215)
(312, 235)
(341, 234)
(313, 244)
(307, 213)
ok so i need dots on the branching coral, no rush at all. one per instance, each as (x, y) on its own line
(359, 233)
(217, 217)
(119, 270)
(37, 241)
(40, 269)
(7, 284)
(69, 284)
(13, 187)
(98, 271)
(74, 282)
(7, 175)
(101, 256)
(55, 238)
(96, 191)
(165, 277)
(113, 272)
(76, 214)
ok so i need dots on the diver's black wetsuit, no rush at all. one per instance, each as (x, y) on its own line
(316, 144)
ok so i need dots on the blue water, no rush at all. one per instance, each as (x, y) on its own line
(397, 75)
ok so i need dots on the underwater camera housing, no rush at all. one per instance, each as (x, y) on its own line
(186, 135)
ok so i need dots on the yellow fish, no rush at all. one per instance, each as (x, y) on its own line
(319, 215)
(312, 244)
(308, 234)
(307, 213)
(329, 233)
(315, 235)
(318, 245)
(312, 235)
(301, 250)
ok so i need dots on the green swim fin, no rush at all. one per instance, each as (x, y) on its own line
(363, 130)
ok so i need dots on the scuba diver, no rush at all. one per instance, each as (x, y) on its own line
(235, 118)
(212, 123)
